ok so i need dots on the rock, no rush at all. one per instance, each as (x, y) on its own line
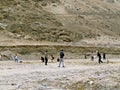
(99, 77)
(3, 26)
(91, 82)
(20, 62)
(28, 37)
(13, 84)
(64, 76)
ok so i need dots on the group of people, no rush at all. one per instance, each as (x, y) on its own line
(99, 55)
(44, 59)
(60, 59)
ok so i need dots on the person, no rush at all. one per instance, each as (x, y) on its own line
(42, 59)
(85, 56)
(46, 57)
(52, 57)
(58, 59)
(16, 58)
(92, 56)
(61, 54)
(104, 56)
(99, 57)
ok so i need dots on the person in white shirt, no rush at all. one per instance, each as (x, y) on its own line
(16, 58)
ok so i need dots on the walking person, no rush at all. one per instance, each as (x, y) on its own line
(61, 54)
(99, 57)
(46, 57)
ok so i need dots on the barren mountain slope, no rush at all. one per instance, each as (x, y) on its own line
(59, 20)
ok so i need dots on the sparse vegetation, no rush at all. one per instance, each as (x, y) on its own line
(24, 17)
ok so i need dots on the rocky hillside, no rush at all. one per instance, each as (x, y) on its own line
(59, 20)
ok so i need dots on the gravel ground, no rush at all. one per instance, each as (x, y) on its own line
(78, 74)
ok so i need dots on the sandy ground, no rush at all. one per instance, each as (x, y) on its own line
(34, 75)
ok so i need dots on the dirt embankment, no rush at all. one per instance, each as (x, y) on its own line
(34, 52)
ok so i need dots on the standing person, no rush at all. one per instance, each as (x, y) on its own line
(16, 58)
(46, 57)
(61, 54)
(104, 56)
(85, 56)
(99, 57)
(92, 56)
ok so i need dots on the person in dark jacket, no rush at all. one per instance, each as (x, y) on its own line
(58, 59)
(46, 57)
(42, 59)
(61, 54)
(52, 57)
(99, 57)
(92, 56)
(104, 56)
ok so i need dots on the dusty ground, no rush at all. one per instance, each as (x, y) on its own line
(78, 74)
